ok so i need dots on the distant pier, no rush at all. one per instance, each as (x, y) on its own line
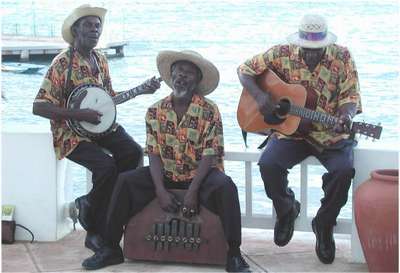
(23, 48)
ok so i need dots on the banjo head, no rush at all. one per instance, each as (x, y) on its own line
(96, 99)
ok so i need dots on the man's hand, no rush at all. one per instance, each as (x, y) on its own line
(88, 115)
(168, 201)
(264, 102)
(190, 203)
(151, 85)
(343, 124)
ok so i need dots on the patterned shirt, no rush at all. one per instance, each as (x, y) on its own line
(334, 82)
(181, 146)
(52, 91)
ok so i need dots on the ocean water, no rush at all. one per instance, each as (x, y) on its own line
(227, 33)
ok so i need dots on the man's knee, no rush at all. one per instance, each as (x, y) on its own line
(107, 168)
(136, 154)
(228, 185)
(345, 169)
(270, 169)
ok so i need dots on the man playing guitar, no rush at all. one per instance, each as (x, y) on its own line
(329, 76)
(82, 64)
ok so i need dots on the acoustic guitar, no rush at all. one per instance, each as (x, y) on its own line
(290, 100)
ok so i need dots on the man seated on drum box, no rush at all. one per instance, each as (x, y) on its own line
(185, 147)
(78, 65)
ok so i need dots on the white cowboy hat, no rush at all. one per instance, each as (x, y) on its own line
(209, 72)
(313, 33)
(75, 15)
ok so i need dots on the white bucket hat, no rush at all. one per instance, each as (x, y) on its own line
(75, 15)
(210, 73)
(313, 33)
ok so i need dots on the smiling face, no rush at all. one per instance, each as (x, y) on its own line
(185, 78)
(86, 32)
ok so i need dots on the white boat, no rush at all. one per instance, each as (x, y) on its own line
(21, 68)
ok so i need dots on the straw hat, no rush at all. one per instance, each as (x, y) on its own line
(75, 15)
(313, 33)
(210, 73)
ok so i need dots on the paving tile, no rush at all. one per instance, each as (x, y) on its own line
(15, 258)
(299, 255)
(66, 255)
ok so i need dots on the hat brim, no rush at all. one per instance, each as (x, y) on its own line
(75, 16)
(209, 72)
(296, 40)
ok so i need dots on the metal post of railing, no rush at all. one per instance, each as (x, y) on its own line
(303, 194)
(248, 189)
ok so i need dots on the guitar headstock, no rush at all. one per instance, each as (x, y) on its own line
(366, 129)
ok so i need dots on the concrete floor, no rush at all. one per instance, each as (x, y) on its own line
(258, 248)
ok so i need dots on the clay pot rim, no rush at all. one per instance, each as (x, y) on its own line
(389, 175)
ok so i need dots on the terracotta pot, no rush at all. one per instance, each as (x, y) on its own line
(376, 214)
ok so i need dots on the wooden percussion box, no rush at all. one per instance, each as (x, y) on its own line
(156, 235)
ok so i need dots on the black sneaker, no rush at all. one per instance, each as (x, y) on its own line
(284, 227)
(325, 243)
(105, 256)
(236, 264)
(93, 241)
(84, 216)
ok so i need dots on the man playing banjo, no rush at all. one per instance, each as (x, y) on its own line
(76, 66)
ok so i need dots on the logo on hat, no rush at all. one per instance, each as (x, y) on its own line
(313, 33)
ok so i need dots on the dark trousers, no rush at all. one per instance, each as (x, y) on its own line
(282, 154)
(126, 155)
(135, 189)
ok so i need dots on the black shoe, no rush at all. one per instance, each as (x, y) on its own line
(84, 217)
(93, 241)
(236, 264)
(105, 256)
(325, 244)
(284, 227)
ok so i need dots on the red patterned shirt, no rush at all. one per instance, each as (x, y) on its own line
(333, 83)
(181, 146)
(52, 90)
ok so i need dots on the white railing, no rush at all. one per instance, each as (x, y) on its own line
(41, 187)
(303, 223)
(364, 162)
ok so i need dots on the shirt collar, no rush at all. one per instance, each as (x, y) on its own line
(196, 99)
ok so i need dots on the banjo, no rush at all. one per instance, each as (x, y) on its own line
(93, 96)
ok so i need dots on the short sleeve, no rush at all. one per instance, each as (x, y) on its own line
(106, 73)
(213, 143)
(152, 125)
(349, 87)
(52, 86)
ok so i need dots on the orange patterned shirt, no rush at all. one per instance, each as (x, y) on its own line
(333, 83)
(181, 146)
(52, 91)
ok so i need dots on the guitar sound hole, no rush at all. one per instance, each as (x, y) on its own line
(283, 108)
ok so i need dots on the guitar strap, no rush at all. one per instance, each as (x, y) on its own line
(262, 145)
(67, 85)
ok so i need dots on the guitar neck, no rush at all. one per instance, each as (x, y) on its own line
(313, 115)
(127, 95)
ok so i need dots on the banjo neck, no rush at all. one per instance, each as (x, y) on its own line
(127, 95)
(131, 93)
